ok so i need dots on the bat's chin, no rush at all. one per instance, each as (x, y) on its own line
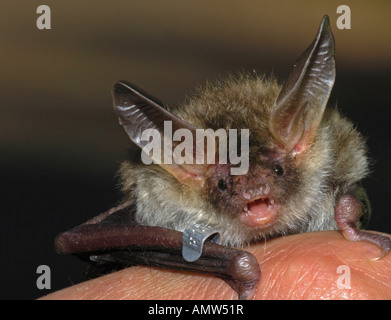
(260, 212)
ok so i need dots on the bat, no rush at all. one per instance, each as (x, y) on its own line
(299, 171)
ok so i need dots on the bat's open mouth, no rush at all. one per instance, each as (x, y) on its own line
(259, 212)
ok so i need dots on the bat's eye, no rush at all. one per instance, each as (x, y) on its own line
(278, 170)
(222, 185)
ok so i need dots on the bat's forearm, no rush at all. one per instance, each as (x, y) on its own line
(133, 244)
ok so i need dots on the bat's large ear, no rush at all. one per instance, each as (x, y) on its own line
(303, 98)
(151, 127)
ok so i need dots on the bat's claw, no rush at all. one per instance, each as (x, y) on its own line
(244, 275)
(245, 290)
(381, 241)
(383, 253)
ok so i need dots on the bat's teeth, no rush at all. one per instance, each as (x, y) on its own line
(247, 195)
(271, 201)
(266, 189)
(245, 209)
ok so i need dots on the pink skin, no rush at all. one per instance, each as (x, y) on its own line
(260, 212)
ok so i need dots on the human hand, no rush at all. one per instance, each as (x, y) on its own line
(301, 266)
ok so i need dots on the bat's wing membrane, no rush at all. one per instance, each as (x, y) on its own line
(114, 240)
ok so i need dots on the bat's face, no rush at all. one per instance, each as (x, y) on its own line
(256, 197)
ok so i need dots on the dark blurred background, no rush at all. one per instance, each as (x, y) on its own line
(61, 144)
